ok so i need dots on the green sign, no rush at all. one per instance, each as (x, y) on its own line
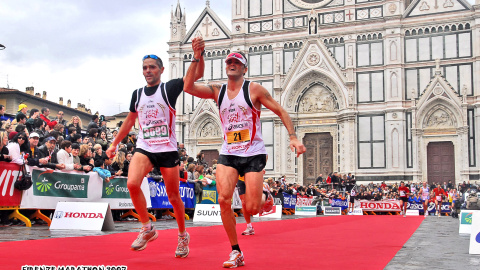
(50, 183)
(115, 189)
(466, 218)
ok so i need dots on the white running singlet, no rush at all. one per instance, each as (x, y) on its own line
(157, 122)
(242, 133)
(425, 193)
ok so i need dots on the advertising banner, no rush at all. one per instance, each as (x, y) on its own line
(289, 201)
(332, 211)
(445, 208)
(305, 210)
(339, 203)
(9, 196)
(82, 216)
(207, 213)
(159, 198)
(50, 187)
(388, 206)
(277, 198)
(210, 195)
(304, 201)
(57, 184)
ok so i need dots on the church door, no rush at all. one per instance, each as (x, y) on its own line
(440, 162)
(319, 156)
(210, 155)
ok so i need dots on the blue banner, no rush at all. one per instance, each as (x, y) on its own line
(445, 208)
(339, 203)
(159, 198)
(289, 201)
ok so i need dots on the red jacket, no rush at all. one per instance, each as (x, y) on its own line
(51, 124)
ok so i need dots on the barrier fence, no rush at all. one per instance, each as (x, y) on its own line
(50, 187)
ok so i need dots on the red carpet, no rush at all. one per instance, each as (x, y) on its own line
(345, 242)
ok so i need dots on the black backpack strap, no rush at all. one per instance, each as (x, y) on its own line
(246, 93)
(139, 94)
(223, 90)
(163, 89)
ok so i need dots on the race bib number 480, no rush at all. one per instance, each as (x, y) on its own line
(155, 132)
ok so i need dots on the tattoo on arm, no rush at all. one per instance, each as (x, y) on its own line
(267, 95)
(212, 86)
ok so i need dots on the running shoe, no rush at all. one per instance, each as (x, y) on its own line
(143, 238)
(182, 248)
(268, 206)
(248, 231)
(236, 259)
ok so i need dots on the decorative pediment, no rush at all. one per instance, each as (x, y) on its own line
(317, 99)
(209, 26)
(439, 106)
(314, 64)
(427, 7)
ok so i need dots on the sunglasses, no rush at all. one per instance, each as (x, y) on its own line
(22, 138)
(153, 56)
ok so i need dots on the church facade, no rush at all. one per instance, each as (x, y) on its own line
(386, 90)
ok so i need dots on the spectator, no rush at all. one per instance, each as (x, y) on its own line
(102, 172)
(126, 163)
(86, 157)
(98, 152)
(39, 125)
(108, 165)
(93, 123)
(17, 147)
(76, 138)
(9, 128)
(34, 113)
(76, 122)
(22, 110)
(118, 163)
(60, 129)
(48, 150)
(76, 158)
(45, 112)
(102, 140)
(21, 128)
(4, 156)
(201, 159)
(92, 135)
(3, 118)
(132, 138)
(60, 119)
(71, 131)
(64, 156)
(21, 118)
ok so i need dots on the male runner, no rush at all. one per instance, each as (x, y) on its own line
(425, 191)
(404, 193)
(154, 106)
(439, 192)
(243, 150)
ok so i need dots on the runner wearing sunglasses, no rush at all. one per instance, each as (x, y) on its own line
(154, 106)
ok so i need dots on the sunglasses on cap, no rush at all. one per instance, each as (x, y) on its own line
(153, 56)
(237, 56)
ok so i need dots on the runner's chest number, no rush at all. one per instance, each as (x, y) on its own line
(156, 131)
(238, 136)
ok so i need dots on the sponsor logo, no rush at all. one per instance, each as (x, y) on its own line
(44, 185)
(109, 189)
(61, 214)
(116, 188)
(466, 218)
(210, 195)
(477, 238)
(379, 205)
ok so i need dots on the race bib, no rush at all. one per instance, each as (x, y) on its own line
(402, 193)
(439, 198)
(154, 132)
(238, 136)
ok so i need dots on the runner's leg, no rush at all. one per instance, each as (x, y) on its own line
(139, 167)
(171, 177)
(227, 178)
(254, 192)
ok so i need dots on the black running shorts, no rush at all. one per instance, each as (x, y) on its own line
(161, 160)
(404, 199)
(241, 187)
(244, 164)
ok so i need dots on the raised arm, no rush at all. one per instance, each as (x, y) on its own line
(195, 72)
(260, 96)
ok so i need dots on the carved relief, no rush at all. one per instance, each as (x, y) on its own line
(209, 130)
(317, 99)
(313, 59)
(440, 118)
(424, 6)
(392, 8)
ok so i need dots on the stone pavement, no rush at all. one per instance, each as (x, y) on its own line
(435, 245)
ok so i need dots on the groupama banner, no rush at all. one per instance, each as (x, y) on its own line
(56, 184)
